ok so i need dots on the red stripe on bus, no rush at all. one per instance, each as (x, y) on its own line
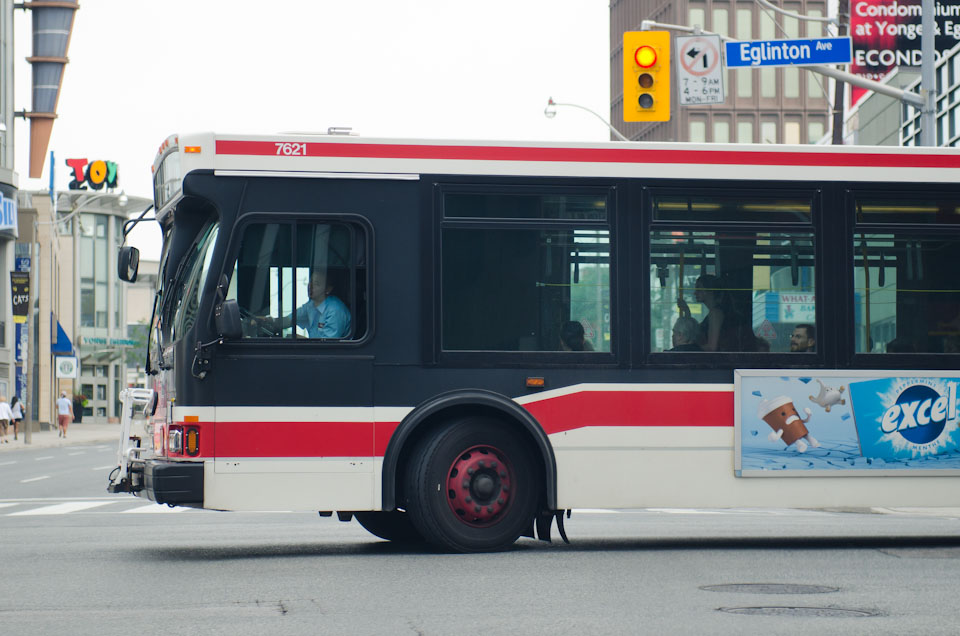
(633, 408)
(558, 414)
(596, 155)
(294, 439)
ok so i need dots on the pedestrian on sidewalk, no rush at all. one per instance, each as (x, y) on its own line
(6, 416)
(64, 414)
(16, 406)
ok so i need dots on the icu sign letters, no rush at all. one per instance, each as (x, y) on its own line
(789, 52)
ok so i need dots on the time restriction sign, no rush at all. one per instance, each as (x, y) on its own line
(699, 71)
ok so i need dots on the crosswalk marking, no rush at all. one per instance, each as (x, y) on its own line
(60, 509)
(154, 509)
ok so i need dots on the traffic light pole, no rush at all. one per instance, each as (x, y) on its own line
(926, 103)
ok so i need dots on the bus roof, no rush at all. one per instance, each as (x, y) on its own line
(331, 155)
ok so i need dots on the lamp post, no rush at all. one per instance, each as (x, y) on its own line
(551, 111)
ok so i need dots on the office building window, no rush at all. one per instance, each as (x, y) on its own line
(791, 83)
(768, 82)
(768, 132)
(721, 131)
(815, 131)
(745, 131)
(791, 132)
(698, 131)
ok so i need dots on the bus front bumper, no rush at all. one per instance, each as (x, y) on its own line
(174, 483)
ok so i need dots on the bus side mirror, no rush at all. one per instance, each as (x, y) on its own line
(227, 317)
(128, 262)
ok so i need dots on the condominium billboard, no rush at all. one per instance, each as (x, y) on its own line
(886, 34)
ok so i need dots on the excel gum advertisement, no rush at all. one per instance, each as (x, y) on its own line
(818, 422)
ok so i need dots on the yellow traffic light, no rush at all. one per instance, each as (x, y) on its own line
(646, 76)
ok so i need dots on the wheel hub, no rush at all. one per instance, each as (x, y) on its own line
(479, 486)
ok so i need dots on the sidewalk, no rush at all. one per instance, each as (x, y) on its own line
(82, 433)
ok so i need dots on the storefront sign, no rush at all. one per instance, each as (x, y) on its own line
(838, 422)
(8, 214)
(96, 174)
(20, 295)
(66, 366)
(115, 342)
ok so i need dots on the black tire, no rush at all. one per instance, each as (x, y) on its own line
(472, 486)
(392, 526)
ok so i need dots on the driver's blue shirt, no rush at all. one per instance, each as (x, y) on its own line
(329, 319)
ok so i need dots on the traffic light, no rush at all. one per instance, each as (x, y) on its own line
(646, 76)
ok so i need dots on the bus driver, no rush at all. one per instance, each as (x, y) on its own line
(322, 316)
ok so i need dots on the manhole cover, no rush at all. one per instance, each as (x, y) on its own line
(822, 612)
(770, 588)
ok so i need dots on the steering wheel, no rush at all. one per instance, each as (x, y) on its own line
(254, 326)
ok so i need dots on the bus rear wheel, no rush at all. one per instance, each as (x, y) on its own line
(392, 526)
(472, 486)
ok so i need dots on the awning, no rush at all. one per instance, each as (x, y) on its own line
(61, 344)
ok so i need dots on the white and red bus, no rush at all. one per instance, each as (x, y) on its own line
(454, 342)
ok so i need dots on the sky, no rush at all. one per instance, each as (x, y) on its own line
(141, 70)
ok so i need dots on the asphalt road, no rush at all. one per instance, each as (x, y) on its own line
(75, 560)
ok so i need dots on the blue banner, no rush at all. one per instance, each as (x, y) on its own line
(809, 52)
(832, 421)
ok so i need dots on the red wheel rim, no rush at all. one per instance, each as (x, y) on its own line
(480, 486)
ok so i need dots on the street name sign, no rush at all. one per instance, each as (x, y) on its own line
(809, 52)
(699, 70)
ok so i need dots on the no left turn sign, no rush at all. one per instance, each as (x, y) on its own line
(699, 72)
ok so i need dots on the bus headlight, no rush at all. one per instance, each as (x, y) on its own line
(175, 440)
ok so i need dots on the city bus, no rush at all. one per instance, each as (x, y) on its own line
(455, 342)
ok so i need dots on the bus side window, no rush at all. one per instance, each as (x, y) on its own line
(300, 280)
(906, 291)
(519, 268)
(730, 289)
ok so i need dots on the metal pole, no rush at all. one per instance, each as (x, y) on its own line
(928, 77)
(616, 132)
(839, 94)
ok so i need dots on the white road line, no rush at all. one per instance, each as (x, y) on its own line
(107, 467)
(7, 463)
(7, 505)
(686, 511)
(77, 453)
(27, 481)
(154, 509)
(60, 509)
(37, 459)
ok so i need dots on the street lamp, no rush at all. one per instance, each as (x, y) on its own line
(551, 111)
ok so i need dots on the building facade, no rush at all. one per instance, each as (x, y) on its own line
(947, 74)
(9, 222)
(79, 293)
(765, 105)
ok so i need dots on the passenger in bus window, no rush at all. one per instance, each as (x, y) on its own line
(803, 339)
(720, 329)
(573, 338)
(900, 345)
(686, 330)
(323, 315)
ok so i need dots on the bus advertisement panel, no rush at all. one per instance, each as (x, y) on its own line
(816, 422)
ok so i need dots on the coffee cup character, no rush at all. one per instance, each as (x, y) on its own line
(787, 425)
